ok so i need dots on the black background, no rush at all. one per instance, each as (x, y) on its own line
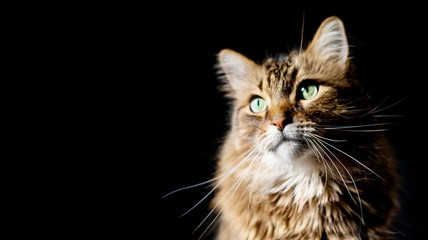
(185, 116)
(118, 105)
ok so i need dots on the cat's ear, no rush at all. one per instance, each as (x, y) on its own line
(239, 71)
(330, 42)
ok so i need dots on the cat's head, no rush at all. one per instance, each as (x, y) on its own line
(283, 102)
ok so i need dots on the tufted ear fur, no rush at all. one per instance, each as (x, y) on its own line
(240, 72)
(330, 42)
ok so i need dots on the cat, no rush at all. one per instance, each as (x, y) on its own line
(304, 157)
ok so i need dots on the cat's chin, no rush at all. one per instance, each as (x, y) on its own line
(286, 155)
(288, 149)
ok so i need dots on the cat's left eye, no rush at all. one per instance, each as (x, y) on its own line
(258, 105)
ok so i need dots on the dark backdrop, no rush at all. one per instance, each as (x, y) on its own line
(184, 115)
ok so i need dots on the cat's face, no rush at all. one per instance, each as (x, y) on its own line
(280, 104)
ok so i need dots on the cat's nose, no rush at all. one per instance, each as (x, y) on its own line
(279, 122)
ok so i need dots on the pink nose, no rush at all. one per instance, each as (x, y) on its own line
(279, 123)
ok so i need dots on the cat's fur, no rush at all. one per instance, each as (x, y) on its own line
(328, 173)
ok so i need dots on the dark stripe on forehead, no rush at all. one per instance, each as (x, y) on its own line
(275, 70)
(293, 74)
(261, 85)
(280, 77)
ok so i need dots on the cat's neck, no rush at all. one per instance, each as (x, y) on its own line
(284, 198)
(298, 207)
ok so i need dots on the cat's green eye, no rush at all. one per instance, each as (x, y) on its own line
(309, 91)
(258, 105)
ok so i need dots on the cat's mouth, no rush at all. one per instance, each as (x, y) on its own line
(288, 148)
(287, 139)
(291, 144)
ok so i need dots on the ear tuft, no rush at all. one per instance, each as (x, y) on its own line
(330, 41)
(240, 72)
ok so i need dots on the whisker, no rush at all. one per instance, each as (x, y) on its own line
(378, 106)
(329, 139)
(301, 35)
(337, 169)
(320, 157)
(224, 176)
(208, 181)
(367, 130)
(352, 179)
(356, 126)
(242, 194)
(189, 187)
(388, 116)
(405, 98)
(237, 183)
(351, 158)
(215, 207)
(251, 193)
(246, 152)
(262, 148)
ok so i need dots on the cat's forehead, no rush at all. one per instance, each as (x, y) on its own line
(280, 76)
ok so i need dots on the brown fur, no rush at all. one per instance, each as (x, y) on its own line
(325, 189)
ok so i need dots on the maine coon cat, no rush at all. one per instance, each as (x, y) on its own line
(304, 157)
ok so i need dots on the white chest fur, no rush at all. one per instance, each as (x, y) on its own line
(300, 175)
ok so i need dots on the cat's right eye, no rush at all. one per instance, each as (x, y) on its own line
(308, 89)
(258, 105)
